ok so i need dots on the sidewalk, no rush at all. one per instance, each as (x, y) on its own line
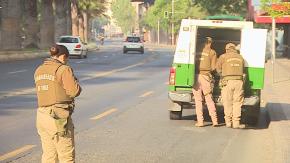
(6, 56)
(276, 97)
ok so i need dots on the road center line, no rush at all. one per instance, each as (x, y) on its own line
(32, 90)
(16, 152)
(118, 70)
(18, 92)
(15, 72)
(80, 62)
(110, 72)
(146, 94)
(104, 114)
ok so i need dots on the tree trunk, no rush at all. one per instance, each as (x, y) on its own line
(287, 40)
(46, 24)
(81, 27)
(74, 17)
(91, 33)
(85, 16)
(60, 19)
(11, 18)
(68, 17)
(31, 26)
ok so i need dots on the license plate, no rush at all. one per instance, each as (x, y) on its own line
(133, 46)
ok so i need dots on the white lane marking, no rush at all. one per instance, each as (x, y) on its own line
(80, 61)
(109, 72)
(146, 94)
(106, 113)
(16, 93)
(106, 56)
(16, 152)
(15, 72)
(95, 59)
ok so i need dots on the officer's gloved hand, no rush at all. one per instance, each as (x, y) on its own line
(215, 74)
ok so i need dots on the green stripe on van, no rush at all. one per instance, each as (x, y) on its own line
(184, 76)
(255, 77)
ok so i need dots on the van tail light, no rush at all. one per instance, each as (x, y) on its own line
(78, 46)
(172, 76)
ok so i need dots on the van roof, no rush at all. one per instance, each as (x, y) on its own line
(224, 17)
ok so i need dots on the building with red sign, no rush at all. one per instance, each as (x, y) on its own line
(259, 16)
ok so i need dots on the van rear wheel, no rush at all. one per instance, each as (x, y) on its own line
(251, 115)
(175, 115)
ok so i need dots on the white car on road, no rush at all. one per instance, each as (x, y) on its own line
(133, 43)
(74, 46)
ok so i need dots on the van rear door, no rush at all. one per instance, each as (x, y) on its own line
(184, 55)
(253, 50)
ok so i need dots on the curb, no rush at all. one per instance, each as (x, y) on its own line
(17, 56)
(24, 55)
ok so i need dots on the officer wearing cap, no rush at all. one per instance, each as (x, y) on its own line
(56, 88)
(231, 67)
(205, 64)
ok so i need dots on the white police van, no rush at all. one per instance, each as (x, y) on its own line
(252, 47)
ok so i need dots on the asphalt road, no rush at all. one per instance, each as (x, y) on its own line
(121, 115)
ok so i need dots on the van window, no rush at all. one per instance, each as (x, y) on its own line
(68, 40)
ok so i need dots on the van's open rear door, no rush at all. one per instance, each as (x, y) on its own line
(253, 50)
(184, 55)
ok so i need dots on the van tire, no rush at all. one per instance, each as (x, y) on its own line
(175, 115)
(251, 115)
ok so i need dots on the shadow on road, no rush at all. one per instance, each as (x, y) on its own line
(278, 111)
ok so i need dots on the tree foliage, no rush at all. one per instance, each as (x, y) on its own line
(100, 22)
(231, 7)
(124, 14)
(93, 7)
(284, 7)
(182, 9)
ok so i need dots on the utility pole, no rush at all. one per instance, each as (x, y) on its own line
(273, 48)
(158, 32)
(172, 23)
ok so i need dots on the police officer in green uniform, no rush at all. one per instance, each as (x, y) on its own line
(56, 88)
(231, 67)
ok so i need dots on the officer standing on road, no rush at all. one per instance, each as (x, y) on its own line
(56, 88)
(231, 67)
(205, 64)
